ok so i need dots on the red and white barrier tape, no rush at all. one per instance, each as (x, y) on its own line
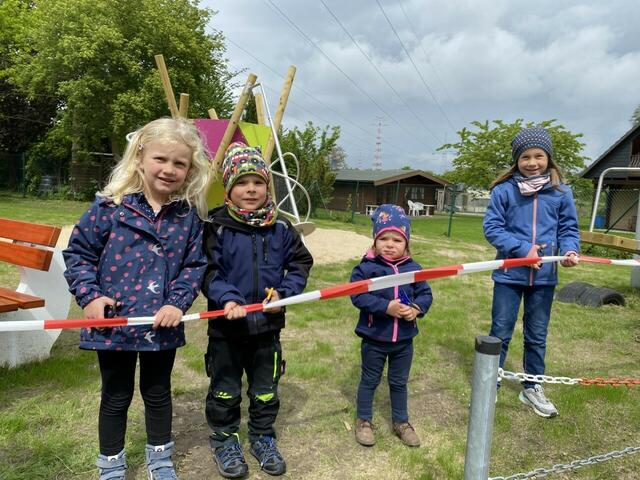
(362, 286)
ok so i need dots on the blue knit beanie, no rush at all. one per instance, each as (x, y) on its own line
(390, 217)
(531, 138)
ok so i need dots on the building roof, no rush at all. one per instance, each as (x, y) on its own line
(603, 157)
(381, 177)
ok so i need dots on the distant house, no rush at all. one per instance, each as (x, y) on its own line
(618, 205)
(363, 190)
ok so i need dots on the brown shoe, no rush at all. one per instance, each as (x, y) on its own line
(407, 434)
(364, 433)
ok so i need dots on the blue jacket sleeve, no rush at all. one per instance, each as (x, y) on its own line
(298, 263)
(367, 302)
(82, 256)
(183, 289)
(495, 227)
(568, 232)
(422, 297)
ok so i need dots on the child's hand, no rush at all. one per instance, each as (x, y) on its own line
(411, 314)
(275, 296)
(570, 260)
(95, 308)
(167, 316)
(535, 252)
(234, 311)
(397, 309)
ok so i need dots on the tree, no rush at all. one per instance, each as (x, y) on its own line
(635, 118)
(484, 153)
(337, 158)
(312, 147)
(23, 121)
(97, 59)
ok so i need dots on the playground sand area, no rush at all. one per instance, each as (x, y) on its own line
(327, 245)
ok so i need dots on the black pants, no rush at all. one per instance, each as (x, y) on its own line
(118, 369)
(260, 356)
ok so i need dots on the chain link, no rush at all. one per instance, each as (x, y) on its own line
(519, 377)
(564, 467)
(615, 382)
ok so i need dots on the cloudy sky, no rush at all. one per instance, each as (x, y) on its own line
(425, 69)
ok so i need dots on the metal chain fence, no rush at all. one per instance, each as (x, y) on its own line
(564, 467)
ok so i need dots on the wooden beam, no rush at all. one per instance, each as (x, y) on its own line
(259, 108)
(616, 242)
(184, 105)
(212, 114)
(233, 122)
(22, 299)
(286, 89)
(29, 232)
(166, 85)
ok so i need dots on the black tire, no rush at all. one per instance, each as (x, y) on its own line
(589, 295)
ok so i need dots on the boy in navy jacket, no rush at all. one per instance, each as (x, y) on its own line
(253, 256)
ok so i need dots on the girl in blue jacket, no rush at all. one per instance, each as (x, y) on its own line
(387, 323)
(531, 213)
(137, 251)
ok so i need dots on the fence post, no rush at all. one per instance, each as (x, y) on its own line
(482, 409)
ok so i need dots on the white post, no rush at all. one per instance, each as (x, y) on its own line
(635, 271)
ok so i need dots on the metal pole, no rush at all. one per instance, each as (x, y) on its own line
(453, 209)
(482, 409)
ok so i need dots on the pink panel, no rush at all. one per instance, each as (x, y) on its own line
(213, 130)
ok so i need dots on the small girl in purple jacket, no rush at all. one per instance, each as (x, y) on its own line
(137, 251)
(387, 323)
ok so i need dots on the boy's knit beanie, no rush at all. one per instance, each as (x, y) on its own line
(531, 138)
(390, 217)
(240, 160)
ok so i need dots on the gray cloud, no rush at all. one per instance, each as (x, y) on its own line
(577, 62)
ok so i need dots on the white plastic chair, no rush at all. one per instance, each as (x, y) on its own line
(412, 208)
(415, 208)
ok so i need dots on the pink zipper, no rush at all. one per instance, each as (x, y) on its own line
(533, 231)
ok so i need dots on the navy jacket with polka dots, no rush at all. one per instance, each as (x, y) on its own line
(141, 260)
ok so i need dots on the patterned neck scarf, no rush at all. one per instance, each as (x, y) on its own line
(260, 217)
(530, 185)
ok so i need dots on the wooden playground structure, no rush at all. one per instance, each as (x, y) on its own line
(220, 133)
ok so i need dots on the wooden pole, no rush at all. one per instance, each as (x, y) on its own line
(184, 105)
(233, 121)
(166, 85)
(212, 114)
(286, 89)
(259, 108)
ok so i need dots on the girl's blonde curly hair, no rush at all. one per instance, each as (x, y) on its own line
(127, 177)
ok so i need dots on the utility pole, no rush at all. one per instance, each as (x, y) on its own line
(377, 158)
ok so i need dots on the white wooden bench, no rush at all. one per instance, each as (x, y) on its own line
(41, 295)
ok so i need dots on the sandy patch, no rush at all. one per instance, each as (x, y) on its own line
(325, 244)
(332, 246)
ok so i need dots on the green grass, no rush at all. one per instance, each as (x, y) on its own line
(48, 410)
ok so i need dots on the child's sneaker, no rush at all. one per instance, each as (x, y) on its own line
(159, 464)
(364, 433)
(230, 460)
(267, 454)
(112, 467)
(407, 434)
(536, 399)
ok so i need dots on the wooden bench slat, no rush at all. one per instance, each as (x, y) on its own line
(24, 300)
(8, 305)
(616, 242)
(29, 232)
(25, 256)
